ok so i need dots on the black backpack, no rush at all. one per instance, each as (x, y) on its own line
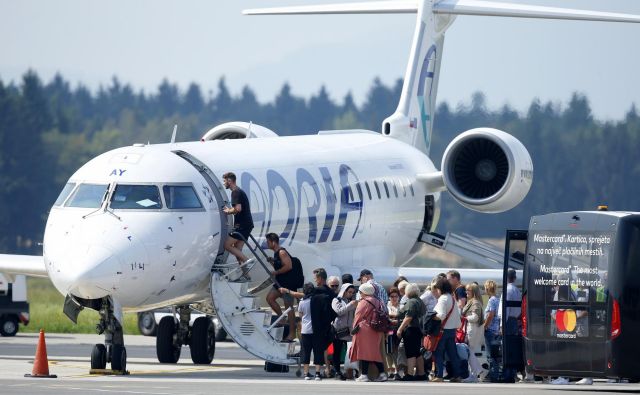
(293, 279)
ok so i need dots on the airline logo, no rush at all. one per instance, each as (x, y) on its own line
(566, 324)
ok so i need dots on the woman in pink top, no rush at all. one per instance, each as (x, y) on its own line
(366, 341)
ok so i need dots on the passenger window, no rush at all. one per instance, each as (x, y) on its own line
(386, 189)
(66, 191)
(375, 183)
(359, 188)
(180, 197)
(143, 197)
(366, 184)
(88, 196)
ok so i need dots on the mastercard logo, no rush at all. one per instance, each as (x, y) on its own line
(566, 320)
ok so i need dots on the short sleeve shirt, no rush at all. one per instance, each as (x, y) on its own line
(492, 305)
(461, 293)
(304, 308)
(415, 309)
(243, 219)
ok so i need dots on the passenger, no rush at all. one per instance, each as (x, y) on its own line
(402, 285)
(366, 340)
(283, 267)
(491, 327)
(304, 308)
(333, 283)
(366, 276)
(428, 298)
(344, 305)
(445, 310)
(347, 278)
(459, 292)
(399, 280)
(472, 311)
(411, 334)
(392, 357)
(322, 314)
(242, 221)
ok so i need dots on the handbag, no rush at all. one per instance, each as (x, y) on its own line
(343, 332)
(461, 332)
(430, 342)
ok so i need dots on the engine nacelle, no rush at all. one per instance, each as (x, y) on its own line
(487, 170)
(238, 130)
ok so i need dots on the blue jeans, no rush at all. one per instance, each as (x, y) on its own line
(490, 339)
(447, 345)
(511, 328)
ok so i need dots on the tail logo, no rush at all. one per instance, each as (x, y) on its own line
(425, 88)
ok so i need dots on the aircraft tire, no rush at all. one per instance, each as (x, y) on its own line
(147, 323)
(8, 325)
(166, 351)
(99, 357)
(119, 358)
(203, 341)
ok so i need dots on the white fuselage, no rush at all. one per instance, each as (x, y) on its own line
(337, 201)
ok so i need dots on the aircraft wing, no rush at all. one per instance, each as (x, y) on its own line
(30, 265)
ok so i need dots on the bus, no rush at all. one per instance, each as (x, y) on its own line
(580, 307)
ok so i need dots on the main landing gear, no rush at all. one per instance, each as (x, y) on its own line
(113, 350)
(173, 334)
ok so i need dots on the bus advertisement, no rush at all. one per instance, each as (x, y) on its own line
(581, 295)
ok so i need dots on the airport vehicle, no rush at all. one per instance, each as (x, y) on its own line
(581, 294)
(148, 322)
(14, 308)
(142, 227)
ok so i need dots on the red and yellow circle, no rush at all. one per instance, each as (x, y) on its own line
(566, 320)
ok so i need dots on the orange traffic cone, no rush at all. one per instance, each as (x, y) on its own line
(41, 363)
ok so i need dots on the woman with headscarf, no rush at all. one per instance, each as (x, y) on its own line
(344, 306)
(366, 340)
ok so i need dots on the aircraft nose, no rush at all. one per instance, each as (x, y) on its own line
(92, 272)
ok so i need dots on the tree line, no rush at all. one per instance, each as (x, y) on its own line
(49, 129)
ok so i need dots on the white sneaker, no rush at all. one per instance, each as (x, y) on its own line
(363, 378)
(484, 373)
(382, 377)
(560, 381)
(585, 381)
(471, 379)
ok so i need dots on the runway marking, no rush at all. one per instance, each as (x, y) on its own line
(119, 391)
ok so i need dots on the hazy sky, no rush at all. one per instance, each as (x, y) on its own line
(143, 41)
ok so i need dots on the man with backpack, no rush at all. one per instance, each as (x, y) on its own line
(288, 274)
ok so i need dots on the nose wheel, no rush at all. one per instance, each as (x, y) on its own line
(113, 349)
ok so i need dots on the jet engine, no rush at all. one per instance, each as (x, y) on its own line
(238, 130)
(487, 170)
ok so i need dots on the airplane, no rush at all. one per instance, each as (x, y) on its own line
(142, 227)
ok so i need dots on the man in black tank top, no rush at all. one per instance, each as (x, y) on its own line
(283, 268)
(242, 220)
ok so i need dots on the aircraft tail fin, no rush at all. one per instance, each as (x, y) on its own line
(412, 122)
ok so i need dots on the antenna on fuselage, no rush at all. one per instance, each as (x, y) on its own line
(173, 136)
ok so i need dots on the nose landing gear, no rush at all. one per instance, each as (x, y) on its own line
(113, 350)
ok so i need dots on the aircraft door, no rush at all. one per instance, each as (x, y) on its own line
(511, 322)
(218, 193)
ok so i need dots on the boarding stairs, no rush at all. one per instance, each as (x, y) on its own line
(237, 306)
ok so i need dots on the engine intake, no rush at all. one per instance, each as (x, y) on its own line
(238, 130)
(487, 170)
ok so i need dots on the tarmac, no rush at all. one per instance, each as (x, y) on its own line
(233, 371)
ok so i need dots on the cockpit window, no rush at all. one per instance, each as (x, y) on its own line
(66, 191)
(139, 197)
(181, 197)
(88, 196)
